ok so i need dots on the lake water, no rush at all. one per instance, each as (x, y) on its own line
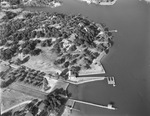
(128, 60)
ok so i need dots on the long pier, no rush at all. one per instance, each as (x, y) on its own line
(113, 31)
(82, 80)
(109, 106)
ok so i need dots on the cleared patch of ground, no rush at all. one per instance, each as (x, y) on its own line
(27, 90)
(10, 98)
(2, 14)
(3, 67)
(43, 62)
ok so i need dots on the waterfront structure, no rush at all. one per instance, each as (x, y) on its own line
(113, 31)
(109, 106)
(111, 81)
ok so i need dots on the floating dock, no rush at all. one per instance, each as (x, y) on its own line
(111, 81)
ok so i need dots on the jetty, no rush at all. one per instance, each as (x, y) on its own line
(109, 106)
(82, 80)
(113, 31)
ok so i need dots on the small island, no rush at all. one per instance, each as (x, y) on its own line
(41, 53)
(148, 1)
(100, 2)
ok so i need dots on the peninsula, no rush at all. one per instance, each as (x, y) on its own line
(41, 53)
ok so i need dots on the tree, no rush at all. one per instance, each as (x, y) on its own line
(48, 42)
(43, 44)
(66, 64)
(78, 42)
(110, 41)
(109, 34)
(20, 36)
(6, 54)
(75, 69)
(106, 29)
(26, 51)
(56, 48)
(15, 2)
(42, 34)
(65, 35)
(34, 110)
(24, 45)
(43, 113)
(35, 52)
(107, 51)
(2, 42)
(87, 61)
(96, 54)
(87, 66)
(68, 56)
(7, 44)
(29, 34)
(73, 62)
(100, 48)
(38, 34)
(31, 45)
(59, 61)
(75, 56)
(10, 14)
(48, 34)
(72, 48)
(22, 78)
(28, 15)
(37, 41)
(33, 34)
